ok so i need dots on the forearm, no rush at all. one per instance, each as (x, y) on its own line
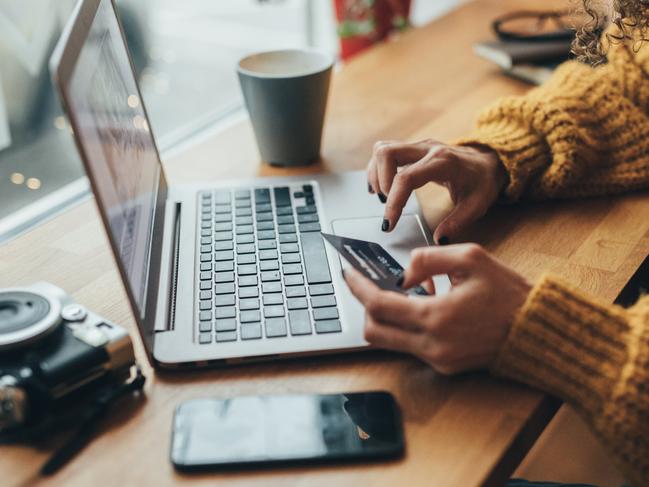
(592, 355)
(584, 133)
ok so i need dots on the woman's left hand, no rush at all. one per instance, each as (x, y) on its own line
(458, 331)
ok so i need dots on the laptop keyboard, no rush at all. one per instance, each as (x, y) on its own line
(263, 271)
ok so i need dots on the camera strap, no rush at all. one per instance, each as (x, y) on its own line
(90, 420)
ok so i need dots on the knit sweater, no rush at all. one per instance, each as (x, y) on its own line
(584, 133)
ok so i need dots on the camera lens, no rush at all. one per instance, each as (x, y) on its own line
(20, 310)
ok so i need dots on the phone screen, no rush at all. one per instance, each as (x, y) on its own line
(285, 428)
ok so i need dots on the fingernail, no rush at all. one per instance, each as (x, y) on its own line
(443, 240)
(385, 225)
(400, 282)
(382, 198)
(369, 188)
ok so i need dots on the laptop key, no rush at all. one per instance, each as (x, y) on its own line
(223, 277)
(206, 240)
(244, 220)
(296, 303)
(327, 326)
(204, 326)
(224, 288)
(301, 210)
(205, 295)
(246, 249)
(249, 316)
(246, 259)
(289, 248)
(282, 196)
(295, 292)
(288, 269)
(275, 327)
(224, 255)
(270, 276)
(247, 281)
(246, 269)
(222, 196)
(309, 227)
(205, 316)
(323, 301)
(243, 211)
(242, 194)
(284, 210)
(224, 300)
(273, 299)
(206, 266)
(248, 292)
(307, 218)
(265, 226)
(268, 265)
(206, 257)
(206, 232)
(315, 258)
(291, 258)
(266, 235)
(223, 227)
(206, 225)
(270, 254)
(223, 266)
(225, 312)
(222, 236)
(245, 239)
(300, 322)
(325, 313)
(294, 280)
(244, 229)
(285, 229)
(271, 287)
(307, 188)
(250, 331)
(287, 238)
(205, 285)
(204, 338)
(262, 195)
(205, 276)
(242, 204)
(285, 219)
(264, 217)
(267, 244)
(226, 336)
(222, 218)
(248, 303)
(228, 324)
(205, 305)
(223, 245)
(263, 207)
(321, 289)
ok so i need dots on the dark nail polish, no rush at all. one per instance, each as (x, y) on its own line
(385, 225)
(400, 282)
(382, 198)
(369, 188)
(443, 240)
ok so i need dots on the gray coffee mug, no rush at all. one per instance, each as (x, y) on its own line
(286, 96)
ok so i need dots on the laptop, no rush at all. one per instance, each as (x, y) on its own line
(216, 272)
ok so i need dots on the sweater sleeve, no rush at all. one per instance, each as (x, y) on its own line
(583, 133)
(592, 355)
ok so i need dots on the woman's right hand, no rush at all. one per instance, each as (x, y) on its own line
(473, 175)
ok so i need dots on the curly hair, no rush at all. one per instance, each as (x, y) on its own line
(631, 17)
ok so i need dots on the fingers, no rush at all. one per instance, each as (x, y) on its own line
(430, 261)
(385, 306)
(387, 336)
(466, 212)
(385, 159)
(433, 167)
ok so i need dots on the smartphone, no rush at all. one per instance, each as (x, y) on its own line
(279, 429)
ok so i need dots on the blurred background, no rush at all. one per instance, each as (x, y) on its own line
(185, 55)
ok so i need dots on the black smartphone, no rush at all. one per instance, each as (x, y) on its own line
(301, 428)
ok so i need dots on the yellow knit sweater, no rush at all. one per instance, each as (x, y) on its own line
(584, 133)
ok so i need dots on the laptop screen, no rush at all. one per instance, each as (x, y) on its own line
(113, 130)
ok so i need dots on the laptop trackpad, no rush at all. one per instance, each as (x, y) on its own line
(407, 236)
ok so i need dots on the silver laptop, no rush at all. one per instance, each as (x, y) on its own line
(217, 273)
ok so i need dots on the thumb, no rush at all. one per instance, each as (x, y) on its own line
(466, 212)
(430, 261)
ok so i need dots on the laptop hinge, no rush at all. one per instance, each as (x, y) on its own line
(174, 256)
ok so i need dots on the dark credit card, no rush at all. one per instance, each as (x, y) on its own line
(373, 261)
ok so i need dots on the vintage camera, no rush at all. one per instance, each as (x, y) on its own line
(53, 352)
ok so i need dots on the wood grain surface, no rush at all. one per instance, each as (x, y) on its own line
(464, 431)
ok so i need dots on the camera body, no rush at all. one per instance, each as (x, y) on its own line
(52, 350)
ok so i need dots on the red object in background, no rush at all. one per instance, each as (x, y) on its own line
(361, 23)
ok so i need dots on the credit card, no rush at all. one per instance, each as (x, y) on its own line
(373, 261)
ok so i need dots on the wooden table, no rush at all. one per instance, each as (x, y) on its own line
(466, 431)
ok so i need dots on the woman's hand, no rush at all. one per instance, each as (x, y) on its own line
(474, 177)
(458, 331)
